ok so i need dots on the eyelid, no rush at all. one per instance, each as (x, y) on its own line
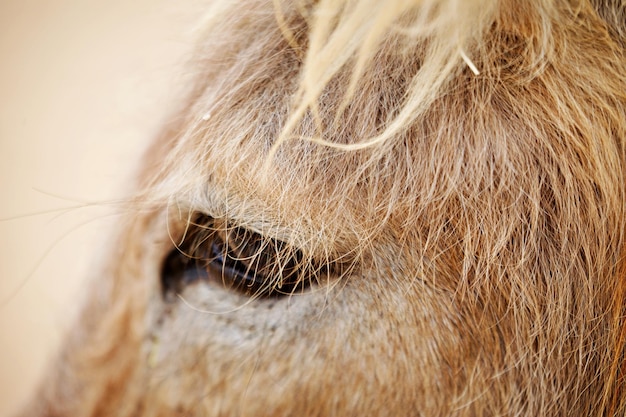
(247, 261)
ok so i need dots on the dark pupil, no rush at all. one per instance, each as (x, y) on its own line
(239, 259)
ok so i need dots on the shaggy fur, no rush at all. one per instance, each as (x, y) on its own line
(453, 170)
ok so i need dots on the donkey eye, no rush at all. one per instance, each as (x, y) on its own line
(238, 259)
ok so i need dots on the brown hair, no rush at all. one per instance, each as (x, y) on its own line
(465, 158)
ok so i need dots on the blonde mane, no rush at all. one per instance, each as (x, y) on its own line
(466, 158)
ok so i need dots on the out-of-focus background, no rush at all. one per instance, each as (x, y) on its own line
(84, 86)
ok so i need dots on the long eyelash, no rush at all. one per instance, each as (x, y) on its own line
(250, 263)
(285, 267)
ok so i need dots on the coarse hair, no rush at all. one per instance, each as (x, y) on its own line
(490, 136)
(472, 152)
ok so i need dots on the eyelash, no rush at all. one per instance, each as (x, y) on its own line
(246, 262)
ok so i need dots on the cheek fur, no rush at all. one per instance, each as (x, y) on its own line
(463, 162)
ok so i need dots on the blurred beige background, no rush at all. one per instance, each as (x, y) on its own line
(84, 85)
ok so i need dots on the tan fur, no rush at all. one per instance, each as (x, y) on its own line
(465, 160)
